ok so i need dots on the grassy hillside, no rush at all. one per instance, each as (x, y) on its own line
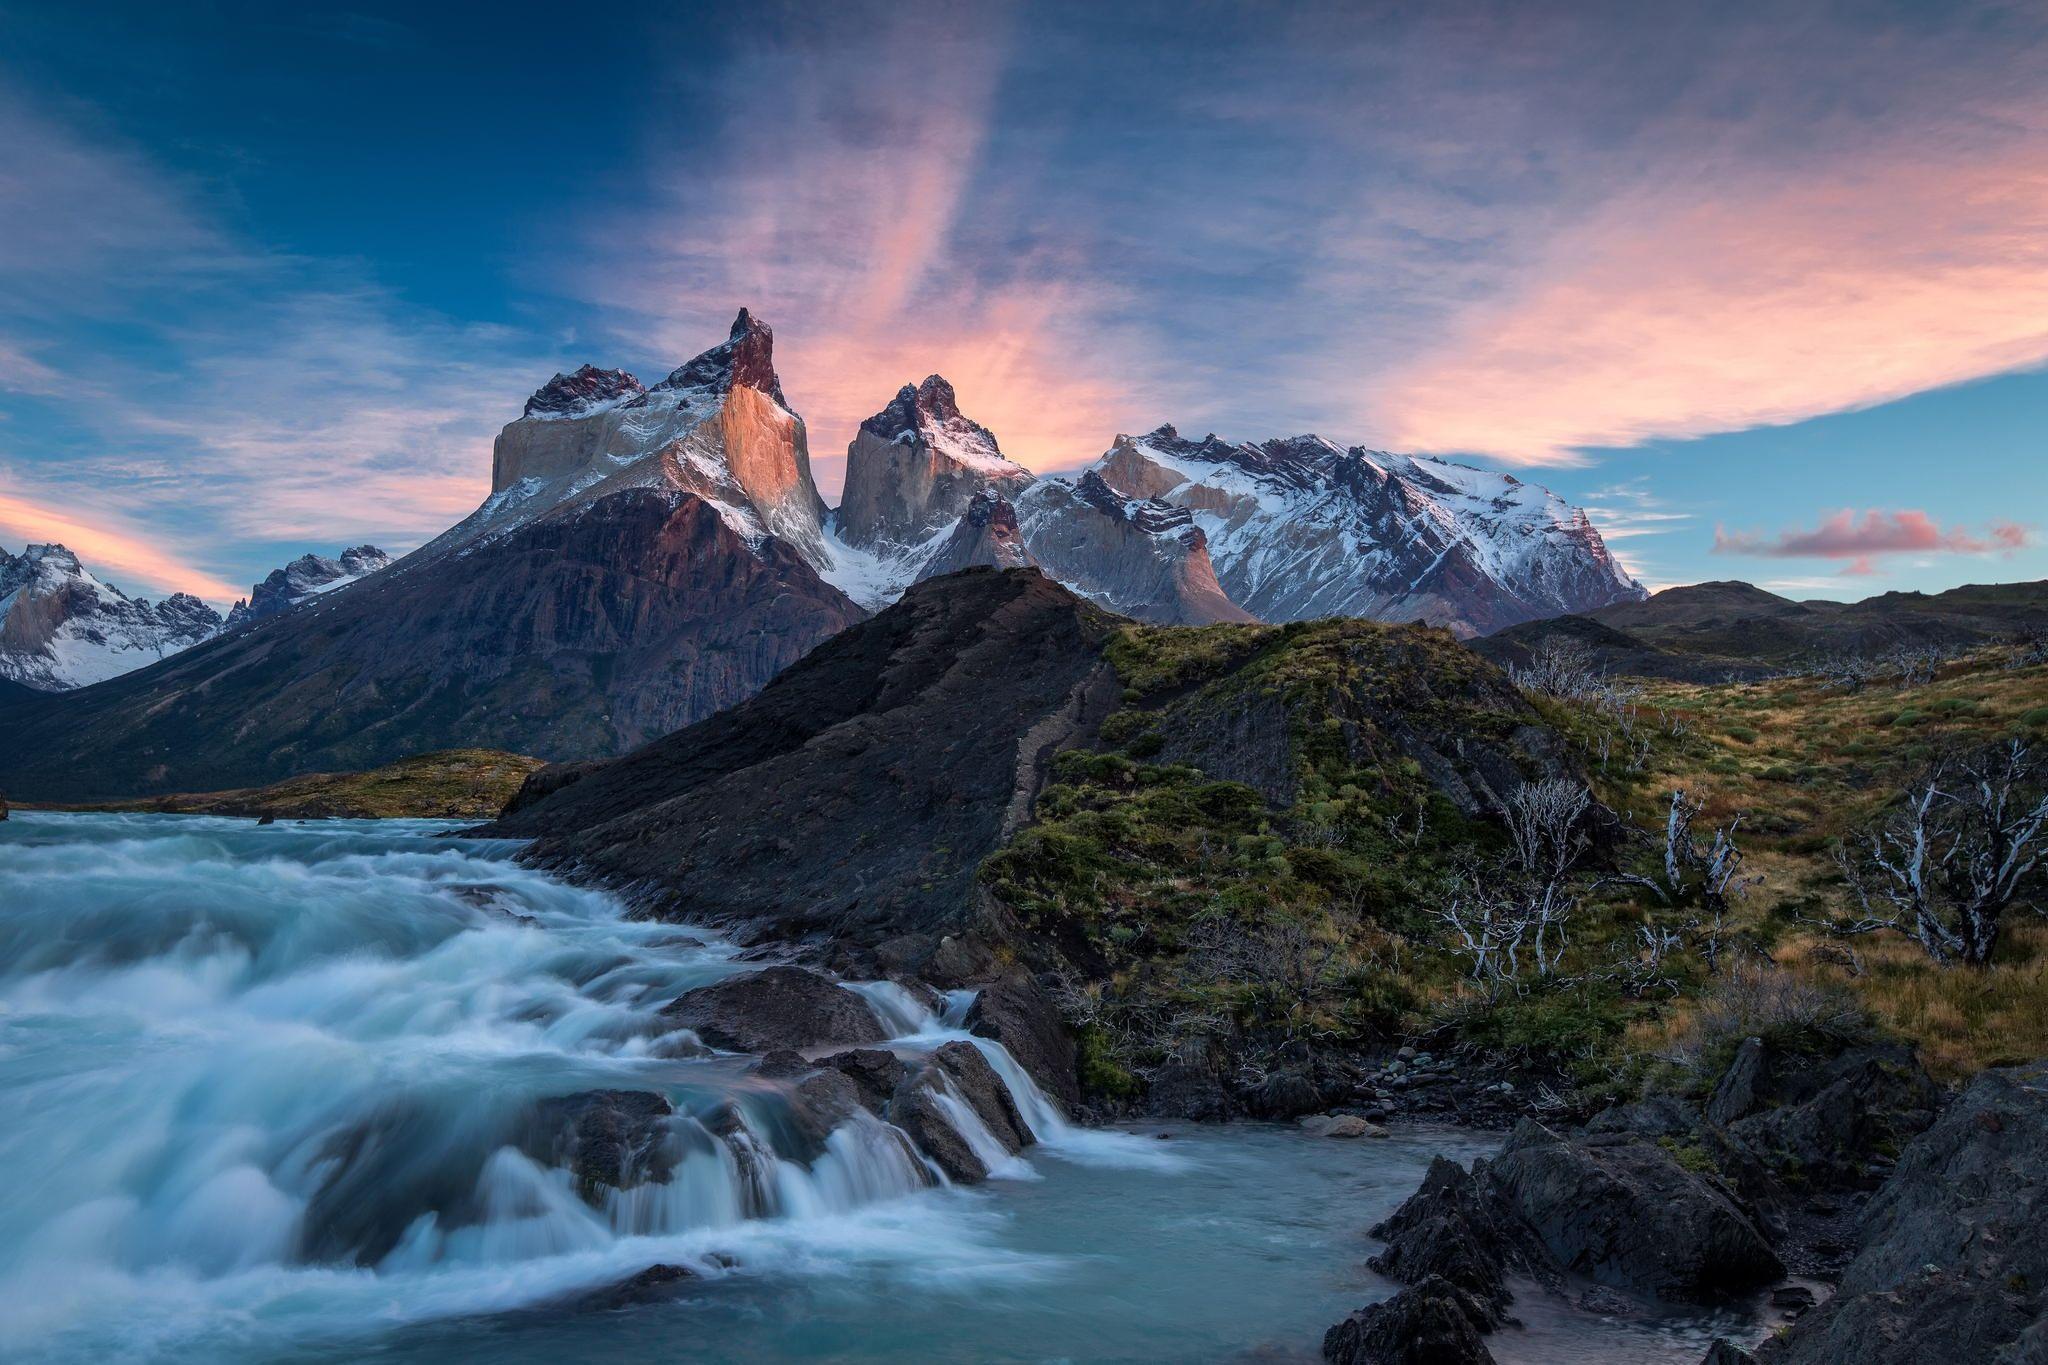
(452, 784)
(1249, 871)
(1808, 765)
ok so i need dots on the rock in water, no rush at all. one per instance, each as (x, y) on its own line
(777, 1007)
(1431, 1323)
(1016, 1013)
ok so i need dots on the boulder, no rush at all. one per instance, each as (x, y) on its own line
(1191, 1091)
(1453, 1229)
(651, 1285)
(876, 1073)
(776, 1007)
(1016, 1013)
(1340, 1126)
(1952, 1264)
(957, 1072)
(607, 1138)
(1726, 1352)
(1823, 1123)
(1625, 1213)
(1288, 1094)
(1431, 1323)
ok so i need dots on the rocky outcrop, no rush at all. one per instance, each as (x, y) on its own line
(987, 533)
(1951, 1264)
(776, 1007)
(852, 802)
(306, 577)
(1140, 557)
(1015, 1012)
(62, 628)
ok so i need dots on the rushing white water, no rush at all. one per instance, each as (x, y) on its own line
(267, 1094)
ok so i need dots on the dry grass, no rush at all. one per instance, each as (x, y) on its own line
(1806, 766)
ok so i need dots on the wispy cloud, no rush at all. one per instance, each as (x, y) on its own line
(109, 546)
(254, 396)
(842, 196)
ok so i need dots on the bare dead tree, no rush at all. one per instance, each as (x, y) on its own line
(1845, 670)
(1702, 877)
(1915, 665)
(1558, 668)
(1961, 851)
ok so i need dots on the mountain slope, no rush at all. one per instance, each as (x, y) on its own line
(60, 627)
(580, 611)
(1711, 631)
(857, 794)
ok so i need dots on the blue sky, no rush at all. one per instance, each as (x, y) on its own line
(1766, 286)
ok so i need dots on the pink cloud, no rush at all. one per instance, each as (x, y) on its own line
(110, 549)
(1844, 536)
(1738, 295)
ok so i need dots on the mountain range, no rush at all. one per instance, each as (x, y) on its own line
(651, 554)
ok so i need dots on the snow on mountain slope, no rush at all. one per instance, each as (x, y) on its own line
(1300, 528)
(60, 627)
(306, 577)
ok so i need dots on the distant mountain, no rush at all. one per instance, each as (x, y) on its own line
(1189, 532)
(303, 579)
(1299, 528)
(60, 627)
(645, 558)
(1708, 631)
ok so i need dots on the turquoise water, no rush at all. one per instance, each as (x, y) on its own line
(258, 1081)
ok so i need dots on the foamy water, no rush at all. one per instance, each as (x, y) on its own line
(260, 1082)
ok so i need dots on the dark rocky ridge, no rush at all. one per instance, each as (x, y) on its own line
(572, 393)
(565, 638)
(851, 802)
(1708, 632)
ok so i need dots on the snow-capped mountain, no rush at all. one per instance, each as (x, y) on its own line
(1299, 528)
(645, 558)
(929, 492)
(60, 627)
(1188, 532)
(306, 577)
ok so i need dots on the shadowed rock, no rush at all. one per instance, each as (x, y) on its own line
(777, 1007)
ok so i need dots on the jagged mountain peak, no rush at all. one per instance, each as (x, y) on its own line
(586, 391)
(745, 358)
(307, 577)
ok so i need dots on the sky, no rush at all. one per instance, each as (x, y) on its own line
(1764, 286)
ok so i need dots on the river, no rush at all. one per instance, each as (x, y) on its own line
(256, 1082)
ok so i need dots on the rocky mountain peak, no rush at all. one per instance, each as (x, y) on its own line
(913, 468)
(61, 628)
(746, 358)
(586, 391)
(306, 577)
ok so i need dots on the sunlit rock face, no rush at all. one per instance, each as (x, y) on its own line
(647, 557)
(61, 627)
(717, 427)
